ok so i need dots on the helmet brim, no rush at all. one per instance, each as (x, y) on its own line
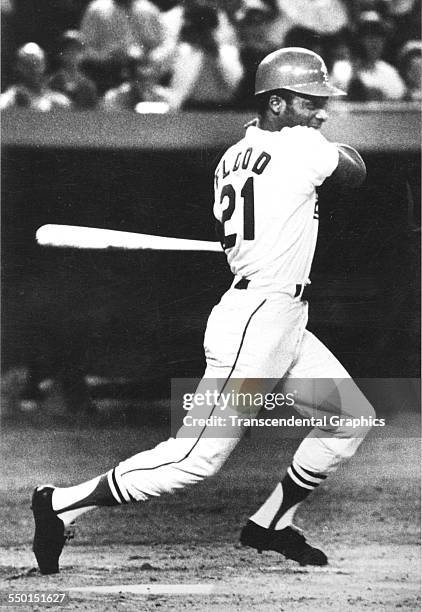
(311, 89)
(317, 89)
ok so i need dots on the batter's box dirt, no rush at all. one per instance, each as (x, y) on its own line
(368, 578)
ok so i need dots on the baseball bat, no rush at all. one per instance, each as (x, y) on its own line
(79, 237)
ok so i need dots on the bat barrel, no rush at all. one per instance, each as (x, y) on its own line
(79, 237)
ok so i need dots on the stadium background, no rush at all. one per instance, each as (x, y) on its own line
(141, 315)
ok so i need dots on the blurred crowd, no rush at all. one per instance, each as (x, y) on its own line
(161, 55)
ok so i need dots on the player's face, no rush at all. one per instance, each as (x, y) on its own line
(310, 111)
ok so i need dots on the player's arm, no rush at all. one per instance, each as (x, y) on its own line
(351, 169)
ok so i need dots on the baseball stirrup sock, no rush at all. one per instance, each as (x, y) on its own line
(278, 510)
(71, 502)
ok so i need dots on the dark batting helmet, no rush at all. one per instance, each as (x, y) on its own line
(295, 69)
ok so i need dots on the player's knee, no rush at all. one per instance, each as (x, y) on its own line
(210, 467)
(211, 470)
(200, 466)
(359, 424)
(209, 456)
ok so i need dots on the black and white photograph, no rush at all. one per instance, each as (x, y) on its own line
(210, 314)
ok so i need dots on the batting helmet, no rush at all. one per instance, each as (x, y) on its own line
(295, 69)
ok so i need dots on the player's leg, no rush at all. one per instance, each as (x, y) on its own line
(325, 389)
(171, 465)
(239, 343)
(179, 461)
(235, 330)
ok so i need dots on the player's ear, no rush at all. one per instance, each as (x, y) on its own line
(277, 104)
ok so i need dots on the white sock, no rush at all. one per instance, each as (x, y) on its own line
(63, 497)
(265, 514)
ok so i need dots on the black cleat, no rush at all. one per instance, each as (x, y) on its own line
(288, 541)
(50, 532)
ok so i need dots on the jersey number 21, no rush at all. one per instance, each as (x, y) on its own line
(247, 193)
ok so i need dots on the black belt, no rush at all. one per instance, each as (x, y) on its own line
(244, 282)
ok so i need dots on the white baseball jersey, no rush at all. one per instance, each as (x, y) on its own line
(266, 200)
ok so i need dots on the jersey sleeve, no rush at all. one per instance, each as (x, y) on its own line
(317, 156)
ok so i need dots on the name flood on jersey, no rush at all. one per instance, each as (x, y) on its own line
(244, 160)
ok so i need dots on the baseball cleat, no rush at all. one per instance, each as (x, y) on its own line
(288, 541)
(50, 532)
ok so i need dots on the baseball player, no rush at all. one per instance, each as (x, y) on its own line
(266, 209)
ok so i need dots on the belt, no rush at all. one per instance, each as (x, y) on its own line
(244, 282)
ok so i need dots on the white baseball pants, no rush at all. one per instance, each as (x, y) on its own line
(252, 334)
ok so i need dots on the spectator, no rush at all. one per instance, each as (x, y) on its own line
(368, 77)
(317, 25)
(69, 78)
(325, 17)
(405, 18)
(206, 71)
(113, 30)
(305, 38)
(410, 66)
(340, 50)
(255, 20)
(254, 23)
(141, 86)
(342, 60)
(31, 90)
(43, 21)
(173, 20)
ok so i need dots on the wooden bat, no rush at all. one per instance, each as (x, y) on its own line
(78, 237)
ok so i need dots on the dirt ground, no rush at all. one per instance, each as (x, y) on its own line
(366, 518)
